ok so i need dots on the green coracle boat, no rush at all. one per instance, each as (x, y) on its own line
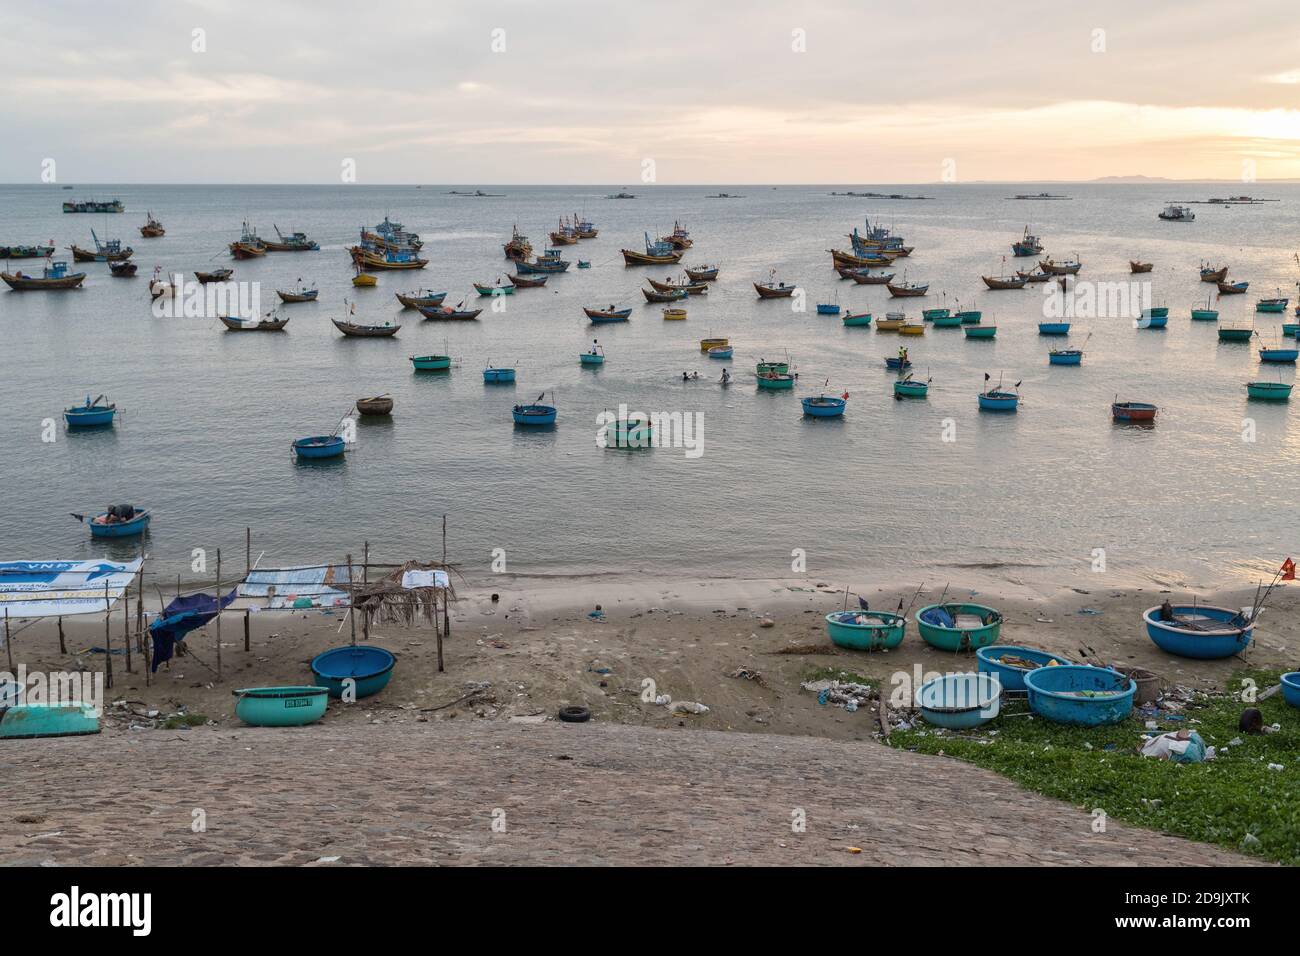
(980, 331)
(866, 630)
(958, 627)
(281, 706)
(1269, 391)
(48, 720)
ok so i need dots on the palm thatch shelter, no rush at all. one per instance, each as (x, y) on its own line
(410, 593)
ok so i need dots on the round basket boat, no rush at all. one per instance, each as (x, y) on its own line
(370, 668)
(959, 701)
(866, 630)
(1291, 688)
(1009, 663)
(1200, 631)
(1079, 694)
(280, 706)
(958, 627)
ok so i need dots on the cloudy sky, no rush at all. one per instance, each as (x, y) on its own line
(585, 91)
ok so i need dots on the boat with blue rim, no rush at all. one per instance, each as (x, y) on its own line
(824, 406)
(119, 521)
(1232, 288)
(611, 314)
(1281, 354)
(109, 250)
(94, 413)
(1269, 391)
(1027, 245)
(549, 263)
(657, 253)
(1156, 318)
(1065, 357)
(1274, 305)
(1199, 631)
(1053, 328)
(908, 387)
(358, 670)
(319, 446)
(998, 399)
(866, 630)
(861, 320)
(775, 381)
(498, 376)
(534, 414)
(722, 352)
(431, 363)
(958, 627)
(595, 356)
(1236, 333)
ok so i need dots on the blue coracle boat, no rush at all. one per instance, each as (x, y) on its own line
(1065, 357)
(823, 407)
(960, 701)
(1291, 688)
(534, 414)
(998, 401)
(280, 706)
(1200, 631)
(1011, 672)
(115, 524)
(1081, 695)
(498, 375)
(319, 446)
(89, 415)
(48, 720)
(1053, 328)
(825, 309)
(369, 667)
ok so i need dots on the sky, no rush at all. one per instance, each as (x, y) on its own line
(621, 93)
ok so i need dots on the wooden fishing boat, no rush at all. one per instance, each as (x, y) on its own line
(534, 415)
(377, 405)
(584, 228)
(1229, 333)
(319, 446)
(656, 254)
(302, 295)
(1211, 274)
(823, 406)
(390, 235)
(548, 263)
(776, 381)
(564, 235)
(1004, 281)
(249, 245)
(841, 259)
(1027, 246)
(294, 242)
(861, 320)
(431, 363)
(152, 228)
(109, 250)
(679, 238)
(674, 314)
(1136, 267)
(706, 344)
(1133, 411)
(892, 322)
(907, 290)
(1067, 268)
(122, 270)
(536, 282)
(1271, 305)
(268, 324)
(355, 331)
(1065, 357)
(774, 290)
(1039, 276)
(912, 328)
(702, 274)
(119, 521)
(499, 289)
(217, 275)
(26, 252)
(498, 376)
(52, 277)
(652, 296)
(608, 315)
(998, 400)
(691, 288)
(422, 299)
(1232, 288)
(94, 413)
(1269, 391)
(873, 278)
(1283, 355)
(980, 331)
(518, 249)
(93, 206)
(1053, 328)
(447, 313)
(378, 260)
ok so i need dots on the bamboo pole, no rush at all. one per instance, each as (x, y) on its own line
(352, 608)
(126, 624)
(436, 629)
(365, 563)
(218, 614)
(108, 639)
(247, 628)
(248, 551)
(63, 647)
(9, 643)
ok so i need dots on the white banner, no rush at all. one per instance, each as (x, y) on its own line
(54, 588)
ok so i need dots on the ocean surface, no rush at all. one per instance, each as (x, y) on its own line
(208, 416)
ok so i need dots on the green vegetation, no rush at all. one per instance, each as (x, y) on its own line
(176, 721)
(1233, 800)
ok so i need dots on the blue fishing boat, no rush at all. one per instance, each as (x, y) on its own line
(866, 630)
(825, 309)
(959, 701)
(497, 376)
(1291, 688)
(1200, 631)
(1009, 663)
(958, 627)
(368, 668)
(280, 706)
(548, 262)
(1053, 328)
(319, 446)
(897, 364)
(1065, 357)
(723, 352)
(1279, 354)
(47, 720)
(1153, 319)
(1271, 305)
(823, 406)
(996, 400)
(90, 415)
(594, 356)
(1080, 695)
(1269, 391)
(970, 316)
(119, 521)
(534, 414)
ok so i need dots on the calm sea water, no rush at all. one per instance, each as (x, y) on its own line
(208, 416)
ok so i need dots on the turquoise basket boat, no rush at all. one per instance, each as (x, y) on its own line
(1053, 328)
(497, 376)
(1269, 391)
(1200, 631)
(866, 630)
(776, 382)
(369, 667)
(48, 720)
(1009, 664)
(280, 706)
(852, 321)
(980, 331)
(960, 701)
(1205, 315)
(1235, 335)
(910, 389)
(947, 321)
(629, 435)
(101, 527)
(958, 627)
(431, 363)
(1080, 695)
(970, 316)
(591, 358)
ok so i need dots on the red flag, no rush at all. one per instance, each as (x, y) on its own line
(1288, 570)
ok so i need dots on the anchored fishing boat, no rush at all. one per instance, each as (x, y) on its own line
(122, 270)
(536, 282)
(773, 289)
(997, 400)
(1154, 318)
(1027, 245)
(980, 331)
(1269, 391)
(892, 322)
(1172, 213)
(679, 238)
(564, 234)
(249, 245)
(706, 344)
(94, 206)
(376, 406)
(1034, 277)
(53, 276)
(499, 288)
(376, 260)
(908, 387)
(861, 320)
(865, 630)
(946, 321)
(721, 352)
(94, 413)
(26, 252)
(1053, 328)
(548, 263)
(611, 314)
(1229, 333)
(702, 274)
(824, 406)
(1206, 314)
(431, 363)
(1138, 268)
(861, 277)
(772, 368)
(670, 285)
(825, 308)
(673, 314)
(106, 251)
(1232, 288)
(1133, 411)
(658, 253)
(535, 414)
(119, 521)
(354, 331)
(319, 446)
(1272, 305)
(958, 627)
(294, 242)
(1280, 354)
(1065, 357)
(434, 313)
(270, 323)
(420, 299)
(518, 249)
(584, 228)
(775, 381)
(498, 376)
(907, 290)
(1199, 631)
(301, 294)
(1211, 274)
(217, 275)
(675, 296)
(152, 228)
(912, 328)
(1067, 268)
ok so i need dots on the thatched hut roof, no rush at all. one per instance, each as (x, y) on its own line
(388, 601)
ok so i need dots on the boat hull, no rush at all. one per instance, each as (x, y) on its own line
(1269, 391)
(1053, 695)
(998, 402)
(866, 630)
(1012, 676)
(281, 706)
(119, 529)
(89, 418)
(981, 331)
(776, 382)
(1133, 412)
(633, 258)
(1212, 644)
(823, 407)
(366, 669)
(47, 720)
(534, 415)
(954, 638)
(320, 446)
(1065, 358)
(497, 376)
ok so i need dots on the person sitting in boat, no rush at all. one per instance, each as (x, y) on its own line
(1166, 611)
(118, 514)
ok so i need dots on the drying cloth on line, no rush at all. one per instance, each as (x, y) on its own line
(425, 579)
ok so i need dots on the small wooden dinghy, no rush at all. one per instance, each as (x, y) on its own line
(907, 290)
(1004, 282)
(268, 324)
(536, 282)
(352, 330)
(448, 314)
(653, 295)
(1232, 288)
(217, 275)
(280, 706)
(122, 270)
(377, 405)
(1211, 274)
(1067, 268)
(302, 295)
(425, 299)
(773, 290)
(872, 278)
(702, 274)
(1133, 411)
(607, 315)
(690, 288)
(892, 322)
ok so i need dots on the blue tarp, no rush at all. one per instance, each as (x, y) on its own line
(183, 615)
